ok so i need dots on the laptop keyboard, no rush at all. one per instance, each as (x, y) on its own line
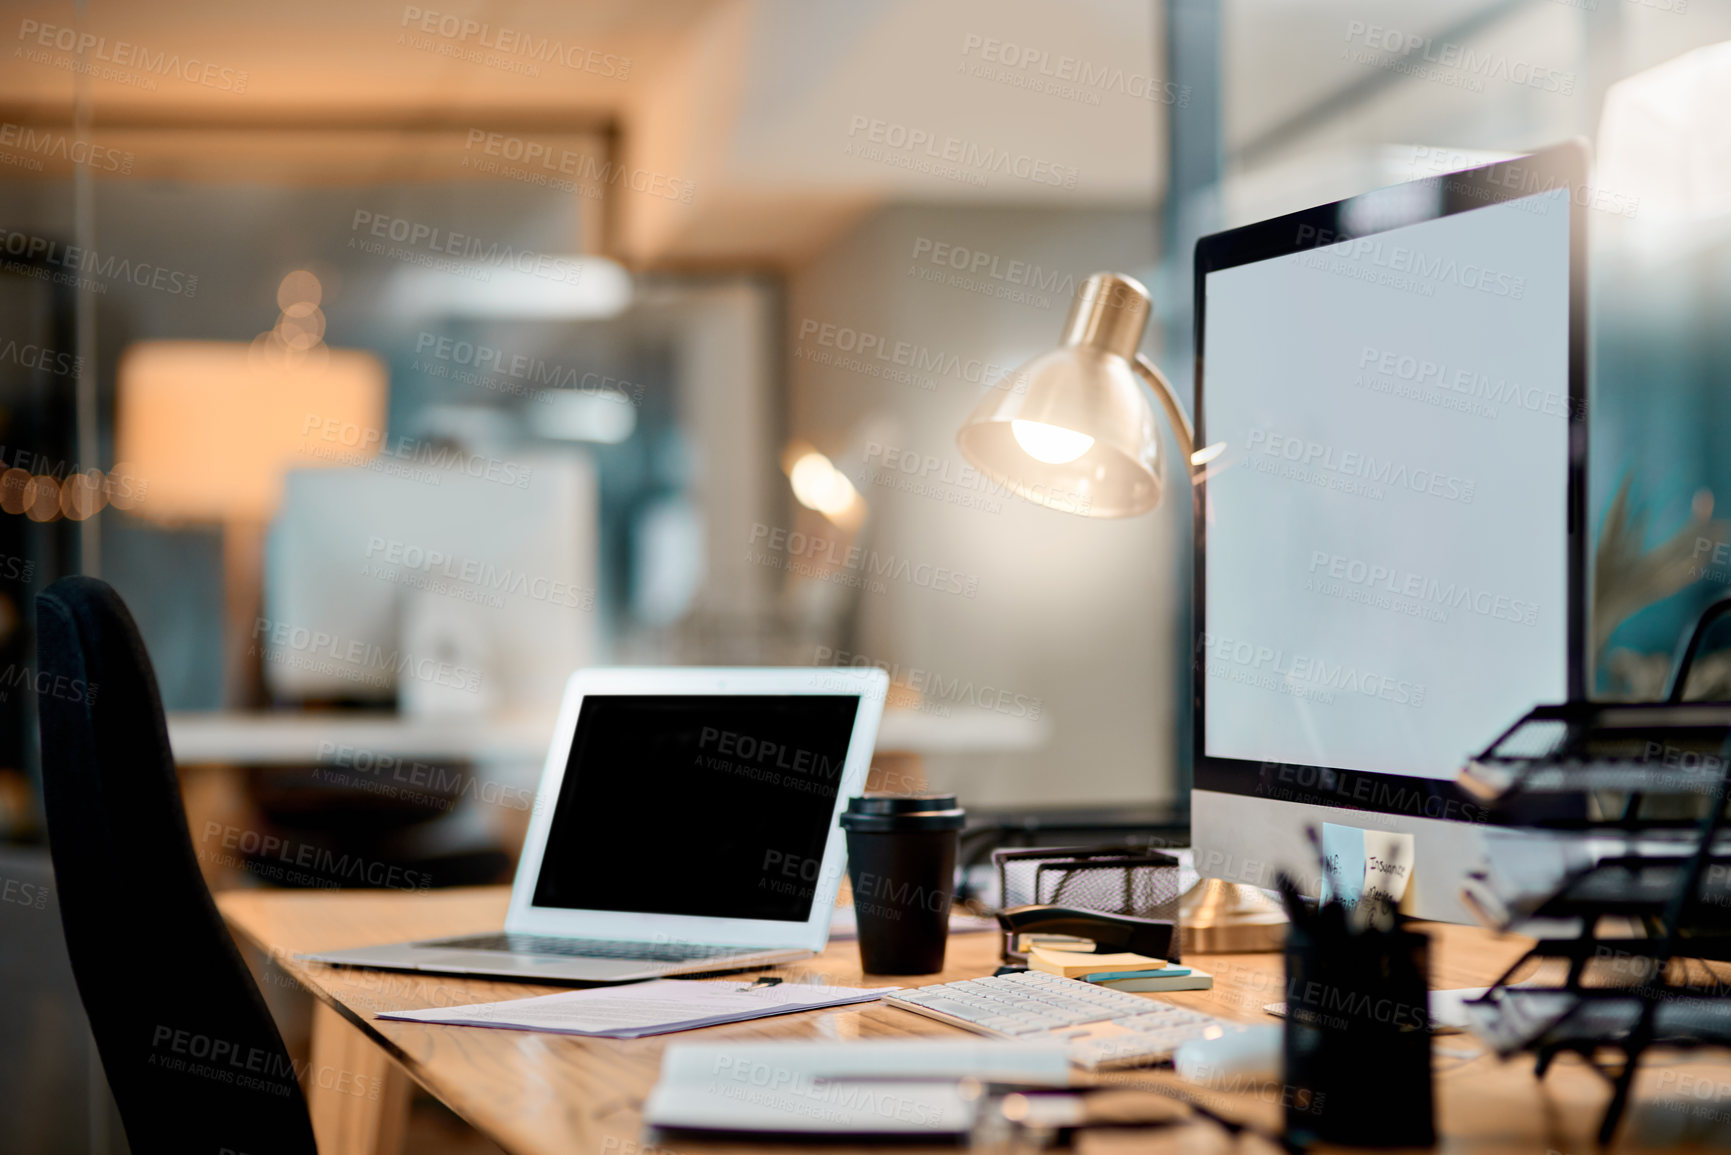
(589, 947)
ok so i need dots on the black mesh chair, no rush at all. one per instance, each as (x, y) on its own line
(191, 1053)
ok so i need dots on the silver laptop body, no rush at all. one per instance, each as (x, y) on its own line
(686, 822)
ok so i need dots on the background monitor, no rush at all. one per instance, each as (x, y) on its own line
(447, 590)
(1390, 549)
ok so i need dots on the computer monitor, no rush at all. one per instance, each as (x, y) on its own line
(1390, 546)
(464, 585)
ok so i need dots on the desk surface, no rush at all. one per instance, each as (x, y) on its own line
(534, 1093)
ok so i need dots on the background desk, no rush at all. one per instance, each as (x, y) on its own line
(219, 753)
(268, 738)
(540, 1093)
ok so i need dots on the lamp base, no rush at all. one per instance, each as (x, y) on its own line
(1218, 917)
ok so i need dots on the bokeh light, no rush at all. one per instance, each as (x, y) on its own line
(42, 498)
(299, 293)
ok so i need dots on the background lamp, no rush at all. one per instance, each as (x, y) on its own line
(1072, 429)
(818, 485)
(209, 428)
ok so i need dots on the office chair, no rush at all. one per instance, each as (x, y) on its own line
(191, 1053)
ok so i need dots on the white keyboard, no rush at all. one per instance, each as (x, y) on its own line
(1101, 1027)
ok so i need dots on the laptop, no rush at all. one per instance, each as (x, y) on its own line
(686, 822)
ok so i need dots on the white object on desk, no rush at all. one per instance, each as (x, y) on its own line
(863, 1087)
(651, 1008)
(1250, 1056)
(458, 636)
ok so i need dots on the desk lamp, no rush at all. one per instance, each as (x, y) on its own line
(1072, 429)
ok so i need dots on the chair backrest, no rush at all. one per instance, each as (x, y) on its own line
(192, 1055)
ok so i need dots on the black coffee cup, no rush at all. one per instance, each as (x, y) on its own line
(901, 859)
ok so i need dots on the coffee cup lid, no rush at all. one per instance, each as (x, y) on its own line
(898, 812)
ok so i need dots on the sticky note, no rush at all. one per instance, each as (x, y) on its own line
(1343, 850)
(1388, 862)
(1373, 864)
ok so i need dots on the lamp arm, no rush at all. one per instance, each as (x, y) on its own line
(1181, 428)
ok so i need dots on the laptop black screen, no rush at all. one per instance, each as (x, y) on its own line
(717, 806)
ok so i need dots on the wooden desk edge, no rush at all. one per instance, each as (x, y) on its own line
(301, 975)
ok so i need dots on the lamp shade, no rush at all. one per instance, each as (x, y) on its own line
(1073, 428)
(210, 428)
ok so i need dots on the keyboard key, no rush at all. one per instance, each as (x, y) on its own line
(949, 1006)
(1024, 1027)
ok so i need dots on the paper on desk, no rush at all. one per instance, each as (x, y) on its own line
(651, 1008)
(858, 1087)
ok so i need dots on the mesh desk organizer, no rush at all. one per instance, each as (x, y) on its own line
(1633, 772)
(1127, 880)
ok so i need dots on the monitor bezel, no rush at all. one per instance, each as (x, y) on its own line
(1561, 166)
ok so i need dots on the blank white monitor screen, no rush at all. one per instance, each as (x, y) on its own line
(1386, 581)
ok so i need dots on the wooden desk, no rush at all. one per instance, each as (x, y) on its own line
(533, 1093)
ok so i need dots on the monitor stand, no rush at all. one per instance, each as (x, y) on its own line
(1220, 917)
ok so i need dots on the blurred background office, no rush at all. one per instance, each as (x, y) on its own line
(392, 361)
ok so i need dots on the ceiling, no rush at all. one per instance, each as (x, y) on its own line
(751, 131)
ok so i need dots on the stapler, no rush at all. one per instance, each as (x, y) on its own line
(1110, 933)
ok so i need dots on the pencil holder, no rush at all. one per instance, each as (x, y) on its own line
(1357, 1045)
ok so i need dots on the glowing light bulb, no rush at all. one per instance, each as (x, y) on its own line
(1208, 453)
(1052, 444)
